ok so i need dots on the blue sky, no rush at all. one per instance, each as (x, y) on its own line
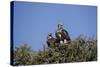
(33, 21)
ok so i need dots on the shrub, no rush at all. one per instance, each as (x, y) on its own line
(76, 51)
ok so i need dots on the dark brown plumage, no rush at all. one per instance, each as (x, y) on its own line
(51, 40)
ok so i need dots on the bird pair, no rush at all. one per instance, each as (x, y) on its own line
(62, 37)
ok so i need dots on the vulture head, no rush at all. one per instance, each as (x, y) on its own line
(60, 26)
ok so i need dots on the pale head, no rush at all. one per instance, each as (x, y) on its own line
(60, 26)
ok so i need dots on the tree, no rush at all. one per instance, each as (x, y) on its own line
(23, 55)
(76, 51)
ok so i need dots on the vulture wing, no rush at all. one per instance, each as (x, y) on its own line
(57, 35)
(65, 35)
(48, 43)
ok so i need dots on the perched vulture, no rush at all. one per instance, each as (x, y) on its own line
(62, 35)
(51, 40)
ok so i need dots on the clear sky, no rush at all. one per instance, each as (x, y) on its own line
(33, 21)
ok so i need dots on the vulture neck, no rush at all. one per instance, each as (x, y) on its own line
(59, 30)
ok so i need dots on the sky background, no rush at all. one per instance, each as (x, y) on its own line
(33, 21)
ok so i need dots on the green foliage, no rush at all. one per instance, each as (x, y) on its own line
(23, 55)
(76, 51)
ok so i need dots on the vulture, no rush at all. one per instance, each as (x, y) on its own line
(62, 35)
(51, 40)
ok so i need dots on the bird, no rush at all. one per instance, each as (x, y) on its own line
(51, 40)
(62, 35)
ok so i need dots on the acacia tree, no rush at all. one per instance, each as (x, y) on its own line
(79, 50)
(23, 55)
